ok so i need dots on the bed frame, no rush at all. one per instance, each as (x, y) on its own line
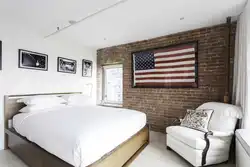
(35, 156)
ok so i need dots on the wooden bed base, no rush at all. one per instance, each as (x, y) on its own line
(35, 156)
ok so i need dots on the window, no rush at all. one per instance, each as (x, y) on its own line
(113, 85)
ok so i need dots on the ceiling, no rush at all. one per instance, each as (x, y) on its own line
(131, 20)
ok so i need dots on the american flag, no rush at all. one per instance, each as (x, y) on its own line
(170, 67)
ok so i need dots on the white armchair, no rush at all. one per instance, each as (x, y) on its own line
(200, 148)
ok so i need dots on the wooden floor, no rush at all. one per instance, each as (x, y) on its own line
(155, 154)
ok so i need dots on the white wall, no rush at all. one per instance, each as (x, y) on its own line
(14, 80)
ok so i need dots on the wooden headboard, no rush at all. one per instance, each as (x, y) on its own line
(11, 107)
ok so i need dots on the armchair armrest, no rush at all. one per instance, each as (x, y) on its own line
(212, 133)
(218, 134)
(222, 134)
(204, 152)
(209, 133)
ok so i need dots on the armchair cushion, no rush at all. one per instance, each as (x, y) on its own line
(197, 119)
(195, 139)
(224, 117)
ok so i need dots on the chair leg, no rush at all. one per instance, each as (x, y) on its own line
(168, 148)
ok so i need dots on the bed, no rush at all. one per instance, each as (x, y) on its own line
(75, 136)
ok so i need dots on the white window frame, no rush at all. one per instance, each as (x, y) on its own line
(104, 101)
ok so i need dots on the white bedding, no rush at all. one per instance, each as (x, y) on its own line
(79, 135)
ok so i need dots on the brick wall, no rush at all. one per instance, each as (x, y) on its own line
(160, 103)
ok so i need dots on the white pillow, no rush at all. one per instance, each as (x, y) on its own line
(39, 108)
(80, 100)
(197, 119)
(42, 100)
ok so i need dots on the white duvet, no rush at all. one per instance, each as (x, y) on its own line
(79, 135)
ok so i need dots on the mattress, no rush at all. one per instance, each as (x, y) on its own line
(79, 135)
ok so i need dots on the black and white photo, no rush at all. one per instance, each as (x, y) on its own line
(66, 65)
(87, 68)
(33, 60)
(0, 55)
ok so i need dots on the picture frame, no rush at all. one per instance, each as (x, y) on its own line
(162, 73)
(32, 60)
(87, 67)
(66, 65)
(0, 55)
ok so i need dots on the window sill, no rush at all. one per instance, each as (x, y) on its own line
(111, 105)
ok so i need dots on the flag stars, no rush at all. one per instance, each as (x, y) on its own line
(144, 60)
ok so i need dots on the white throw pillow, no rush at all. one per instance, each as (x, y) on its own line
(197, 119)
(80, 100)
(42, 100)
(39, 108)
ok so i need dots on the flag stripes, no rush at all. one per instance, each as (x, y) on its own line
(175, 66)
(171, 67)
(166, 80)
(165, 58)
(174, 52)
(171, 70)
(162, 78)
(168, 85)
(176, 55)
(166, 75)
(159, 64)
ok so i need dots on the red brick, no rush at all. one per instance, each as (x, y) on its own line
(159, 104)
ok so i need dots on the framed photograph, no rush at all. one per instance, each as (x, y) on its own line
(87, 68)
(0, 55)
(66, 65)
(32, 60)
(173, 66)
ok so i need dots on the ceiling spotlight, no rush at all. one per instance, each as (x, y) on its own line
(182, 18)
(72, 22)
(104, 39)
